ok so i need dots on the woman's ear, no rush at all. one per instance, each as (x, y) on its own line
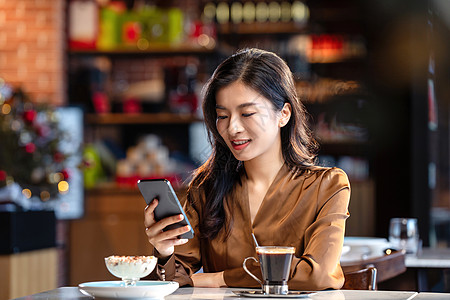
(285, 114)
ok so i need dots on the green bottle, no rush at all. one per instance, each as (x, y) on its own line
(131, 30)
(109, 37)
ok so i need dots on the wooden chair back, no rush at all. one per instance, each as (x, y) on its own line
(365, 279)
(388, 266)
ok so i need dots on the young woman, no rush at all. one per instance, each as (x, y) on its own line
(259, 178)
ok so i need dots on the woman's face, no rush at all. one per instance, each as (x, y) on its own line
(248, 123)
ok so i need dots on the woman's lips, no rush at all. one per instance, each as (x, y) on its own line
(239, 144)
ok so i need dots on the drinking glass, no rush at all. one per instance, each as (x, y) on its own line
(404, 235)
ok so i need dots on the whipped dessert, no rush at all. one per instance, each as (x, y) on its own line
(130, 268)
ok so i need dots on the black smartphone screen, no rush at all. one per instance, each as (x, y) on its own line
(169, 204)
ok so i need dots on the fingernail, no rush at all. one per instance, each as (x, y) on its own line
(184, 241)
(188, 227)
(181, 217)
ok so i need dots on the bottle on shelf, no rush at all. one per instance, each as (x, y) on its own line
(83, 24)
(115, 27)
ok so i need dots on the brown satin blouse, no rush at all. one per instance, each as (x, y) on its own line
(307, 211)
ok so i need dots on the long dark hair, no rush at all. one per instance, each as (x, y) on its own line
(268, 74)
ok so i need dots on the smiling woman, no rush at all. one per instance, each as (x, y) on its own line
(261, 179)
(251, 130)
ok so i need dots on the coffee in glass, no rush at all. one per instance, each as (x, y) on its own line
(275, 262)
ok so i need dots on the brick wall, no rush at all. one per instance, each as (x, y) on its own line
(32, 47)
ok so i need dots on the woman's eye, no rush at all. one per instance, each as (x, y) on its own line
(248, 114)
(221, 117)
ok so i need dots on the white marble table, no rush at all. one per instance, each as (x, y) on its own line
(227, 293)
(432, 296)
(430, 258)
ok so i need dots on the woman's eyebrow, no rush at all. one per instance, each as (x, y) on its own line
(242, 105)
(246, 104)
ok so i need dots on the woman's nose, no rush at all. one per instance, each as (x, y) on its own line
(235, 126)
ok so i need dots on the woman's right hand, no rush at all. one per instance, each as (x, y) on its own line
(163, 241)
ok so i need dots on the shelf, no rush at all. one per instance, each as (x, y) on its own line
(108, 188)
(154, 49)
(261, 28)
(113, 188)
(144, 118)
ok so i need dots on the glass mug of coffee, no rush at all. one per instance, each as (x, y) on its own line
(275, 262)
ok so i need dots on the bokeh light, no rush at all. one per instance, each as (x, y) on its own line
(45, 196)
(63, 187)
(27, 193)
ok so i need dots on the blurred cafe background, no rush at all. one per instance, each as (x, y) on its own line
(95, 94)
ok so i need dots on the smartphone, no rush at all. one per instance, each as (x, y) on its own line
(168, 205)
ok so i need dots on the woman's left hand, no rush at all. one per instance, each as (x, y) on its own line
(212, 280)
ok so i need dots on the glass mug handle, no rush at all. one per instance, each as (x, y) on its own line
(248, 272)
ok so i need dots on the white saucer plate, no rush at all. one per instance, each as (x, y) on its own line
(147, 289)
(260, 294)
